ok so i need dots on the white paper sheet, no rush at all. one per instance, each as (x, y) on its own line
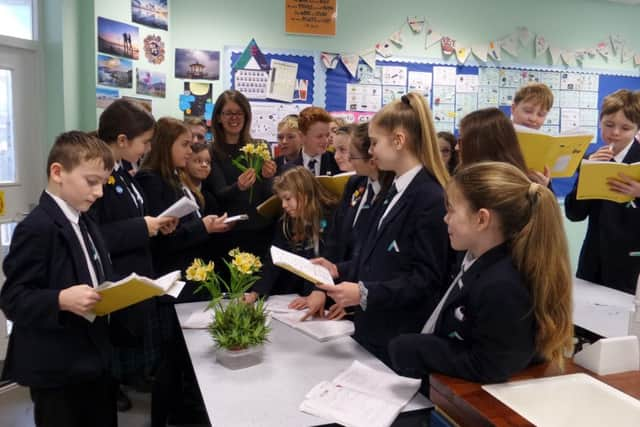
(183, 207)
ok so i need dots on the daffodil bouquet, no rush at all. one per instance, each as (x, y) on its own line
(252, 156)
(236, 325)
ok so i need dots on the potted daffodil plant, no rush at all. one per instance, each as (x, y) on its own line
(238, 329)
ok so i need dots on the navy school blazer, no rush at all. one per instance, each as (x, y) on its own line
(613, 232)
(49, 347)
(403, 265)
(328, 165)
(485, 332)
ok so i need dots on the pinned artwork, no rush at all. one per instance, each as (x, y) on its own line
(462, 53)
(603, 48)
(494, 50)
(154, 49)
(480, 51)
(282, 80)
(118, 38)
(636, 59)
(369, 57)
(431, 38)
(151, 83)
(330, 60)
(197, 64)
(416, 23)
(350, 62)
(152, 13)
(301, 90)
(617, 41)
(197, 100)
(448, 45)
(541, 45)
(368, 75)
(104, 96)
(396, 38)
(251, 72)
(116, 72)
(145, 103)
(384, 49)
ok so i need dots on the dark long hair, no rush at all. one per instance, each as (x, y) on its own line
(126, 118)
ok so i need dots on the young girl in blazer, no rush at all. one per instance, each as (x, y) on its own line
(504, 309)
(402, 267)
(304, 229)
(614, 228)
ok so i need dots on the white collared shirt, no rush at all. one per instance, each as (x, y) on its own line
(401, 182)
(74, 217)
(622, 154)
(376, 189)
(130, 187)
(305, 162)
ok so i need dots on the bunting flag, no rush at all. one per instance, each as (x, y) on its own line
(462, 53)
(617, 41)
(384, 49)
(569, 58)
(555, 54)
(627, 54)
(480, 51)
(636, 59)
(330, 60)
(591, 52)
(251, 58)
(580, 54)
(396, 38)
(369, 57)
(448, 45)
(510, 44)
(432, 37)
(416, 23)
(494, 50)
(523, 35)
(350, 61)
(603, 49)
(541, 45)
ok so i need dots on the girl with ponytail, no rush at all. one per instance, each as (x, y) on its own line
(505, 308)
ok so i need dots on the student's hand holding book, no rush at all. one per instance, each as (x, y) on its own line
(624, 184)
(346, 294)
(333, 269)
(78, 299)
(215, 224)
(164, 224)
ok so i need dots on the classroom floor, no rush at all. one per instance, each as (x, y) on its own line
(16, 409)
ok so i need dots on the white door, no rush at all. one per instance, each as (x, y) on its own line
(22, 158)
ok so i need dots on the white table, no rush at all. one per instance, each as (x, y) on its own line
(601, 310)
(269, 394)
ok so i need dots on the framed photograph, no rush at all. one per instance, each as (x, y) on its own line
(105, 96)
(115, 72)
(151, 83)
(118, 38)
(150, 13)
(197, 64)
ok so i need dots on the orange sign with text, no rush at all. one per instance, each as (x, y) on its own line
(316, 17)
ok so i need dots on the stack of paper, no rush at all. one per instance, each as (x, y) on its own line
(361, 396)
(319, 329)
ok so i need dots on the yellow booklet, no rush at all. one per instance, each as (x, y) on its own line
(271, 207)
(335, 183)
(133, 289)
(592, 183)
(560, 153)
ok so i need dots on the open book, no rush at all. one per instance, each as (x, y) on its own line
(592, 182)
(560, 153)
(361, 396)
(133, 289)
(319, 329)
(300, 266)
(182, 207)
(335, 183)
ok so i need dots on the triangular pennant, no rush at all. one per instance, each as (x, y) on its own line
(636, 59)
(603, 48)
(369, 57)
(252, 51)
(541, 45)
(555, 54)
(416, 23)
(448, 45)
(580, 54)
(480, 51)
(617, 41)
(627, 53)
(591, 52)
(462, 53)
(510, 44)
(569, 58)
(523, 35)
(350, 61)
(432, 37)
(384, 49)
(494, 50)
(330, 60)
(396, 37)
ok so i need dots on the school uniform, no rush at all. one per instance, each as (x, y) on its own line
(402, 267)
(613, 231)
(281, 164)
(277, 281)
(485, 330)
(57, 353)
(322, 164)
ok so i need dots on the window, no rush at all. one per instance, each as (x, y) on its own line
(7, 149)
(16, 18)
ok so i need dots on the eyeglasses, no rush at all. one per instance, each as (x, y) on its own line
(232, 113)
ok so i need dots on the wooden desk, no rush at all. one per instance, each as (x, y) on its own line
(468, 404)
